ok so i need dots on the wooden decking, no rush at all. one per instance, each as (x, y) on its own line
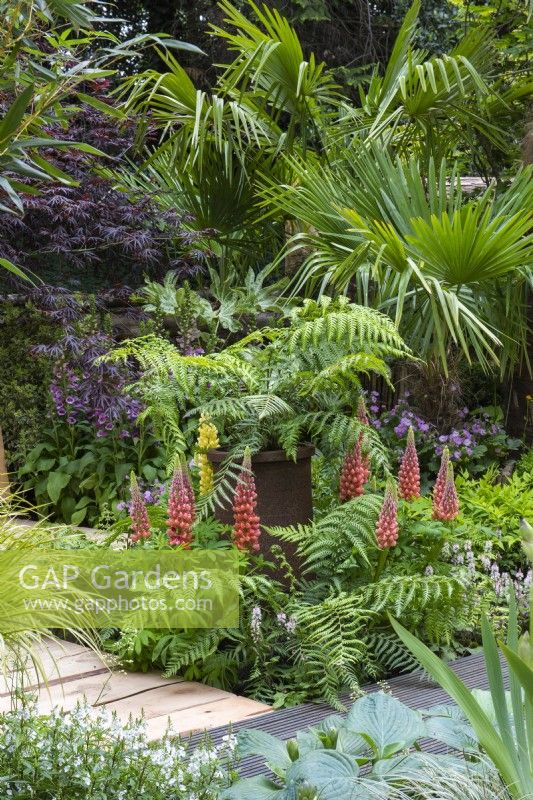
(414, 690)
(74, 672)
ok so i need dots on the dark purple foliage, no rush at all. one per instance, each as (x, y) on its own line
(93, 234)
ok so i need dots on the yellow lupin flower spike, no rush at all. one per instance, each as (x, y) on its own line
(207, 440)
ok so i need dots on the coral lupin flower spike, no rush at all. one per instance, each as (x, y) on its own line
(140, 524)
(448, 508)
(387, 524)
(355, 472)
(409, 474)
(181, 511)
(246, 527)
(440, 483)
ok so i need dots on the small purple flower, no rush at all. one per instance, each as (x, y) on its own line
(121, 506)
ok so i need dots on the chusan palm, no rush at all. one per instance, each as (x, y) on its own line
(270, 100)
(448, 268)
(274, 103)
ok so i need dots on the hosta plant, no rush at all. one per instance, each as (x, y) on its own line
(360, 756)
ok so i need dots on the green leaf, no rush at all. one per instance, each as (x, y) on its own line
(258, 788)
(107, 108)
(331, 773)
(386, 723)
(482, 725)
(78, 516)
(55, 484)
(44, 464)
(122, 471)
(149, 472)
(15, 270)
(273, 750)
(521, 670)
(15, 114)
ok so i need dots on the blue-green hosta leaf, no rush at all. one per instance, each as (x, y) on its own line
(332, 774)
(412, 762)
(385, 723)
(308, 742)
(455, 733)
(484, 700)
(443, 710)
(260, 743)
(351, 743)
(329, 724)
(258, 788)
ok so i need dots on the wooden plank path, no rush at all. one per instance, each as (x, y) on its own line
(74, 672)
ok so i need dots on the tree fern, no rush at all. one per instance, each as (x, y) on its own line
(355, 327)
(276, 387)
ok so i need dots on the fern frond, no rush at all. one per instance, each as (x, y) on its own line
(356, 327)
(177, 651)
(398, 593)
(344, 536)
(346, 370)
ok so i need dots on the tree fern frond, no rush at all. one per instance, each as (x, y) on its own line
(357, 328)
(177, 651)
(345, 371)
